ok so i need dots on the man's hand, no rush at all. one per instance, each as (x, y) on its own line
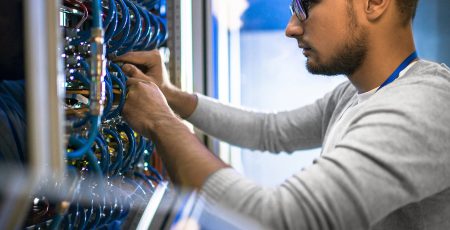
(145, 106)
(146, 110)
(151, 67)
(147, 66)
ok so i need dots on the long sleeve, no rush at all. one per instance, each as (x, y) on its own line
(301, 128)
(390, 170)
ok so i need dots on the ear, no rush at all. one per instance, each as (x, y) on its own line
(374, 9)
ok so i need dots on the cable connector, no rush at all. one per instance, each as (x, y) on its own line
(98, 71)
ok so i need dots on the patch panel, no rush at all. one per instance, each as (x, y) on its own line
(110, 168)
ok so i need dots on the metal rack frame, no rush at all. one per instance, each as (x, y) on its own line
(44, 101)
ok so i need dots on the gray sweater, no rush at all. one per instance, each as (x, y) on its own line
(388, 166)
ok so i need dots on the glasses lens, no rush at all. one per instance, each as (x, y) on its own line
(298, 9)
(291, 7)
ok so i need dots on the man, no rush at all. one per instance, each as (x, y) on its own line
(385, 161)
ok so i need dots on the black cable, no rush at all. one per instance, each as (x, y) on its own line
(12, 122)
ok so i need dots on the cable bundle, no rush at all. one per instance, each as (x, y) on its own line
(128, 25)
(110, 164)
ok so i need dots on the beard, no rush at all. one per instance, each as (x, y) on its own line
(349, 56)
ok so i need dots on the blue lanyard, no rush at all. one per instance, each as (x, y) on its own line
(399, 69)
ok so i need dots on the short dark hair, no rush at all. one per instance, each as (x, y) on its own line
(407, 9)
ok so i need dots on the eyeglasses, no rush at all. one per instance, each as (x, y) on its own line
(300, 9)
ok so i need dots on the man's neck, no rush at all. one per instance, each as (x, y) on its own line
(382, 60)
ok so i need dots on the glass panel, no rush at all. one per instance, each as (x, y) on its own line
(265, 70)
(274, 77)
(432, 30)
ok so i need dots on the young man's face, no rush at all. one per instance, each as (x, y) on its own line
(331, 37)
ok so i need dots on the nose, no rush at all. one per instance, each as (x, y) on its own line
(294, 28)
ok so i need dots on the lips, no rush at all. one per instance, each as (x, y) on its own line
(306, 49)
(306, 52)
(304, 46)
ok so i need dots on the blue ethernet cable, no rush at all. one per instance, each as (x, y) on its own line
(111, 20)
(144, 183)
(123, 203)
(148, 151)
(118, 110)
(76, 214)
(135, 33)
(115, 167)
(123, 35)
(96, 13)
(153, 31)
(148, 179)
(123, 29)
(140, 150)
(108, 210)
(131, 150)
(82, 78)
(91, 158)
(155, 27)
(71, 216)
(94, 214)
(150, 4)
(108, 76)
(157, 174)
(116, 211)
(125, 16)
(142, 144)
(146, 28)
(126, 206)
(104, 215)
(119, 72)
(109, 95)
(85, 65)
(146, 31)
(81, 122)
(97, 212)
(163, 8)
(80, 215)
(105, 158)
(85, 148)
(163, 35)
(89, 211)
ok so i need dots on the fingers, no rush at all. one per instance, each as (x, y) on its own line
(139, 90)
(134, 81)
(133, 72)
(147, 58)
(132, 84)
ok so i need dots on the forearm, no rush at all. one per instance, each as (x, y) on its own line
(182, 103)
(186, 159)
(274, 132)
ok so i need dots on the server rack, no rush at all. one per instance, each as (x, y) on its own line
(67, 78)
